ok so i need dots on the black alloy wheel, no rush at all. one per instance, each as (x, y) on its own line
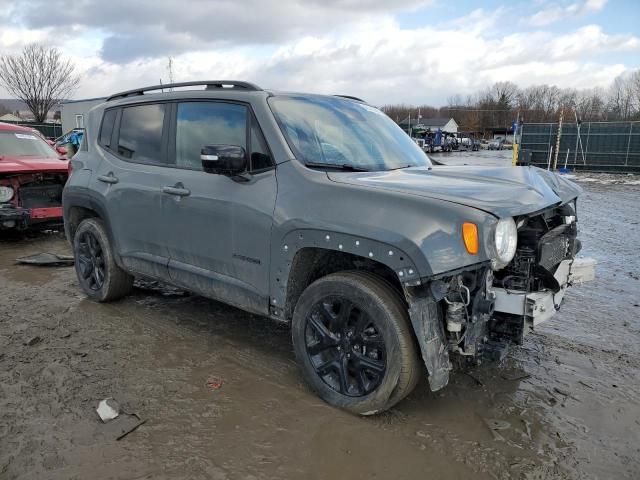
(91, 261)
(353, 341)
(345, 347)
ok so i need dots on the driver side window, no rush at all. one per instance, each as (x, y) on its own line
(207, 123)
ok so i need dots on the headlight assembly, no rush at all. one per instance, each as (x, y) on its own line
(6, 194)
(505, 241)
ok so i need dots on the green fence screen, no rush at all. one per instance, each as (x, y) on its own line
(594, 146)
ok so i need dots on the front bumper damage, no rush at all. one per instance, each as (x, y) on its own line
(463, 317)
(483, 325)
(538, 307)
(37, 200)
(21, 218)
(11, 217)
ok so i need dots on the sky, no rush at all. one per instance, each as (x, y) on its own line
(401, 51)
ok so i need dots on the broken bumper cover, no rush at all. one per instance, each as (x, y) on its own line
(11, 217)
(540, 306)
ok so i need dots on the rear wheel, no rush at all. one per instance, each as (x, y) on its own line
(99, 276)
(353, 342)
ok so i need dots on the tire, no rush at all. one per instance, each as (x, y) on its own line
(379, 361)
(92, 248)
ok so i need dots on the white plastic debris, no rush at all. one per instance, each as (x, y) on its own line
(108, 409)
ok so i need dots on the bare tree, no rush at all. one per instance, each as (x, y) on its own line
(38, 76)
(591, 105)
(634, 79)
(497, 106)
(621, 97)
(504, 94)
(567, 99)
(455, 101)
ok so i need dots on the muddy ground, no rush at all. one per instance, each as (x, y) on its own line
(222, 397)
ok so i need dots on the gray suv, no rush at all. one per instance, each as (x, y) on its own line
(319, 211)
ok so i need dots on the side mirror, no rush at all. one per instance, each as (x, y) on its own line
(223, 159)
(62, 151)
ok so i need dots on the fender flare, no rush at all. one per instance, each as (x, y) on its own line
(283, 255)
(84, 198)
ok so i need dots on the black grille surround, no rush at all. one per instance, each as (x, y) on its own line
(41, 196)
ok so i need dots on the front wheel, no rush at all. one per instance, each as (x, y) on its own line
(99, 276)
(353, 342)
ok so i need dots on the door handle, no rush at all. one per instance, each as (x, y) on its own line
(178, 190)
(108, 178)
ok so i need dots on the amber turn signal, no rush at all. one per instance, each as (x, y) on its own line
(470, 237)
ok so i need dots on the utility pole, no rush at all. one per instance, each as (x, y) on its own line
(170, 68)
(555, 158)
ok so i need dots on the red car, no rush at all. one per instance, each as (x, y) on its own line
(32, 175)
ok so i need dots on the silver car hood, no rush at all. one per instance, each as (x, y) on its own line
(501, 191)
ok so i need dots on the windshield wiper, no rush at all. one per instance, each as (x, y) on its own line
(345, 166)
(401, 167)
(409, 166)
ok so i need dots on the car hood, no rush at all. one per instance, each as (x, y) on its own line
(11, 164)
(501, 191)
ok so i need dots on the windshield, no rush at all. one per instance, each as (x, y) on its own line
(19, 144)
(344, 133)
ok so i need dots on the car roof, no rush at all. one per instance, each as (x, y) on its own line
(10, 127)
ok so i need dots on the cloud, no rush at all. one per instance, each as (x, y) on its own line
(556, 13)
(383, 63)
(147, 28)
(323, 47)
(591, 40)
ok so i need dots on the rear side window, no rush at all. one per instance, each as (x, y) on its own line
(106, 131)
(140, 138)
(207, 123)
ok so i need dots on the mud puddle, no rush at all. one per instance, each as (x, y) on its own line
(565, 405)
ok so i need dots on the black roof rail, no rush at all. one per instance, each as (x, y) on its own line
(350, 97)
(209, 84)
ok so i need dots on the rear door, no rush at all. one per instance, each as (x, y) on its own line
(218, 227)
(130, 177)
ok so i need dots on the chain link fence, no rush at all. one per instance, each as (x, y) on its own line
(593, 146)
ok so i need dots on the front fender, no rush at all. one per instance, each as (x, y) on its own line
(424, 234)
(284, 252)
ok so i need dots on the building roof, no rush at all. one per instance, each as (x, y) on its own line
(9, 117)
(429, 122)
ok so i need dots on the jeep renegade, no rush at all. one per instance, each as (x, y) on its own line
(321, 212)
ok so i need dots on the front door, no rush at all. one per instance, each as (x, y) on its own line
(218, 227)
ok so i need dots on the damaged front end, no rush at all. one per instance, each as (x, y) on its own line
(31, 199)
(466, 316)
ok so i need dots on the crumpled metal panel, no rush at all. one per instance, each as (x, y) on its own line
(429, 331)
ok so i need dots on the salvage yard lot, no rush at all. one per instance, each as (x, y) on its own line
(222, 397)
